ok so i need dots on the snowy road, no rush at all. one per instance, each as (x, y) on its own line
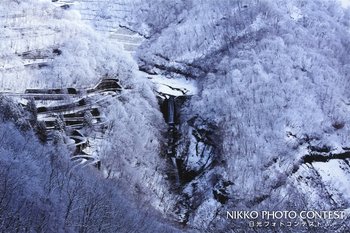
(77, 118)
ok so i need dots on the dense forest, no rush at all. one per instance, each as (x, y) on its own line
(267, 130)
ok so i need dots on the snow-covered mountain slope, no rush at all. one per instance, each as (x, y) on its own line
(254, 94)
(273, 76)
(48, 46)
(114, 20)
(46, 36)
(345, 3)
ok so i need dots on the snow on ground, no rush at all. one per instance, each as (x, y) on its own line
(303, 179)
(27, 32)
(345, 3)
(130, 41)
(176, 87)
(335, 174)
(107, 18)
